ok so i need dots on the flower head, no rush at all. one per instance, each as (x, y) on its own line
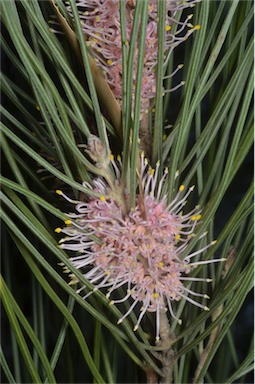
(100, 20)
(141, 250)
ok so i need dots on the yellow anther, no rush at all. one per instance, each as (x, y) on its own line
(164, 137)
(97, 18)
(214, 242)
(155, 295)
(118, 157)
(74, 279)
(59, 192)
(102, 198)
(109, 62)
(168, 27)
(196, 217)
(68, 222)
(107, 273)
(177, 237)
(37, 107)
(181, 188)
(58, 230)
(160, 264)
(111, 157)
(197, 27)
(151, 171)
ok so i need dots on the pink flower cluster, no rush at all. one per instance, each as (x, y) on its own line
(101, 25)
(141, 251)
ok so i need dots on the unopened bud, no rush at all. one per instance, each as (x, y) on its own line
(96, 151)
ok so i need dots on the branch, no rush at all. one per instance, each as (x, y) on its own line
(166, 357)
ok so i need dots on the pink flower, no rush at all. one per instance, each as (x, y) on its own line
(100, 21)
(141, 250)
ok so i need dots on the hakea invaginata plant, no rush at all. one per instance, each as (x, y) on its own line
(100, 20)
(139, 248)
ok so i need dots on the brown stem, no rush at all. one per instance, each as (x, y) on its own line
(151, 376)
(167, 356)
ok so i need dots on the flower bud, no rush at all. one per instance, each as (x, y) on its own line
(97, 152)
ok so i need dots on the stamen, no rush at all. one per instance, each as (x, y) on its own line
(128, 312)
(187, 258)
(59, 192)
(207, 262)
